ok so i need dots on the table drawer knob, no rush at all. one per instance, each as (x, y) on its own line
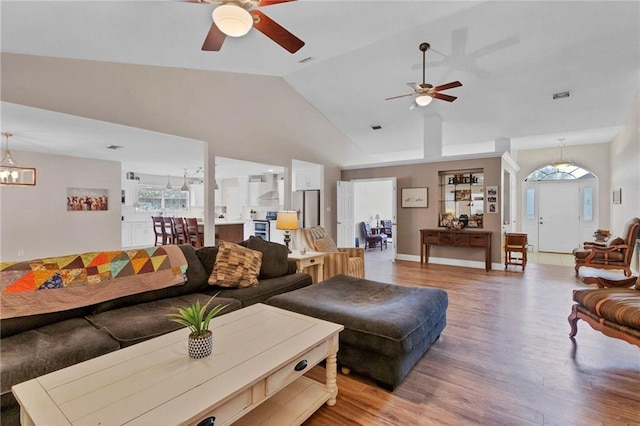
(301, 365)
(209, 421)
(312, 261)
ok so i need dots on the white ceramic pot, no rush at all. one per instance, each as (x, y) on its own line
(201, 346)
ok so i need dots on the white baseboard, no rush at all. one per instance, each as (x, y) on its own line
(448, 261)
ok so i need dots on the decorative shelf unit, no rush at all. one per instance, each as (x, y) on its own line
(461, 198)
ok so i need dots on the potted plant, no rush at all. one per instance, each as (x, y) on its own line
(602, 235)
(196, 319)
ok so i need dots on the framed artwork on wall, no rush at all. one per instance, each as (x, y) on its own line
(492, 199)
(415, 197)
(87, 199)
(617, 196)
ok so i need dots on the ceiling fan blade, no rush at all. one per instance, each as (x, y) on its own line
(447, 86)
(413, 105)
(214, 39)
(262, 3)
(401, 96)
(275, 32)
(414, 86)
(443, 97)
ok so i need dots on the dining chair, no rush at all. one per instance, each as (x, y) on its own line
(158, 230)
(181, 235)
(196, 237)
(515, 243)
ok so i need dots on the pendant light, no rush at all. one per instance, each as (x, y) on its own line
(169, 182)
(185, 187)
(11, 173)
(561, 163)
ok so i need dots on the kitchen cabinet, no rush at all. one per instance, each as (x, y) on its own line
(130, 188)
(126, 234)
(256, 189)
(137, 234)
(196, 195)
(307, 179)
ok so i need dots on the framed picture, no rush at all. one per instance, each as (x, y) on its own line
(462, 195)
(617, 196)
(492, 199)
(415, 197)
(87, 199)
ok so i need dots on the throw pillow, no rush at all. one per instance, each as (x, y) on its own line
(235, 266)
(274, 257)
(326, 245)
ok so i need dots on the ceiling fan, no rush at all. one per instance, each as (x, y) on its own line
(234, 18)
(426, 92)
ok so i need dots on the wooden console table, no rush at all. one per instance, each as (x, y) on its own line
(445, 237)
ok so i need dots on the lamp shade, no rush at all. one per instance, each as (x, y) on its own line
(232, 20)
(424, 100)
(287, 220)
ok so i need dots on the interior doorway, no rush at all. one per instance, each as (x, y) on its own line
(374, 201)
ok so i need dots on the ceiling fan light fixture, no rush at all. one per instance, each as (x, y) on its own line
(424, 100)
(232, 20)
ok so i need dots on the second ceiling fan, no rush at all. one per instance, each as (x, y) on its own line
(425, 92)
(235, 18)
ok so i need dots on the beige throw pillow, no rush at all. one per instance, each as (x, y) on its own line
(235, 266)
(326, 245)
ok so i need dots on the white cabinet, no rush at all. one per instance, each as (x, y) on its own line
(126, 234)
(196, 195)
(307, 179)
(137, 234)
(275, 235)
(256, 189)
(142, 234)
(130, 188)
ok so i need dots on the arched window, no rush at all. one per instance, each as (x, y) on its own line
(560, 172)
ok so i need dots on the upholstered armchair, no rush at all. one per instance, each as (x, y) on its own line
(347, 261)
(616, 254)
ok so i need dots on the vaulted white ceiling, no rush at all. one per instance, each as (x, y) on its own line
(510, 56)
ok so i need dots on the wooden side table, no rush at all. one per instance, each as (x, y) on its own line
(312, 263)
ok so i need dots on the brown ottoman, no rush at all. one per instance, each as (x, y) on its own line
(387, 328)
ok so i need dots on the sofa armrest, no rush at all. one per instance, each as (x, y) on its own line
(292, 266)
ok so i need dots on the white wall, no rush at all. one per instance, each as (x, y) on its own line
(35, 220)
(371, 198)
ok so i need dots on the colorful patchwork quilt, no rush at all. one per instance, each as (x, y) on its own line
(85, 279)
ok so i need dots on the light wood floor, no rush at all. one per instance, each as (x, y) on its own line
(504, 358)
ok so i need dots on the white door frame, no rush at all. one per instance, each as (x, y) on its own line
(394, 209)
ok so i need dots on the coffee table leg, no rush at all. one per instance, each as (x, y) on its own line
(332, 372)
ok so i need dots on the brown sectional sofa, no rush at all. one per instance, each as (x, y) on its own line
(35, 345)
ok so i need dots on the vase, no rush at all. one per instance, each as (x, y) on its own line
(201, 346)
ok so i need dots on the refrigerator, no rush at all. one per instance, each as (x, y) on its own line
(307, 204)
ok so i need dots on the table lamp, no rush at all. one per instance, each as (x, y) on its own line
(287, 221)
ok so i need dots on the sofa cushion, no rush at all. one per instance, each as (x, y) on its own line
(274, 257)
(196, 281)
(326, 245)
(619, 305)
(134, 324)
(236, 266)
(267, 288)
(11, 326)
(46, 349)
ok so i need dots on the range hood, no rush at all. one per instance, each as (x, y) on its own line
(271, 198)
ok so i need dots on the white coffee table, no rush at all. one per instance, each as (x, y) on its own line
(256, 350)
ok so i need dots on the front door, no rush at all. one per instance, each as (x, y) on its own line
(558, 216)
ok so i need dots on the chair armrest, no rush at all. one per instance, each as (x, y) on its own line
(335, 263)
(594, 250)
(353, 251)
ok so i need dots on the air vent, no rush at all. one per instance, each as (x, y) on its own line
(561, 95)
(305, 60)
(376, 127)
(115, 147)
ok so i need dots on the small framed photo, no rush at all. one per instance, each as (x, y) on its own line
(617, 196)
(415, 197)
